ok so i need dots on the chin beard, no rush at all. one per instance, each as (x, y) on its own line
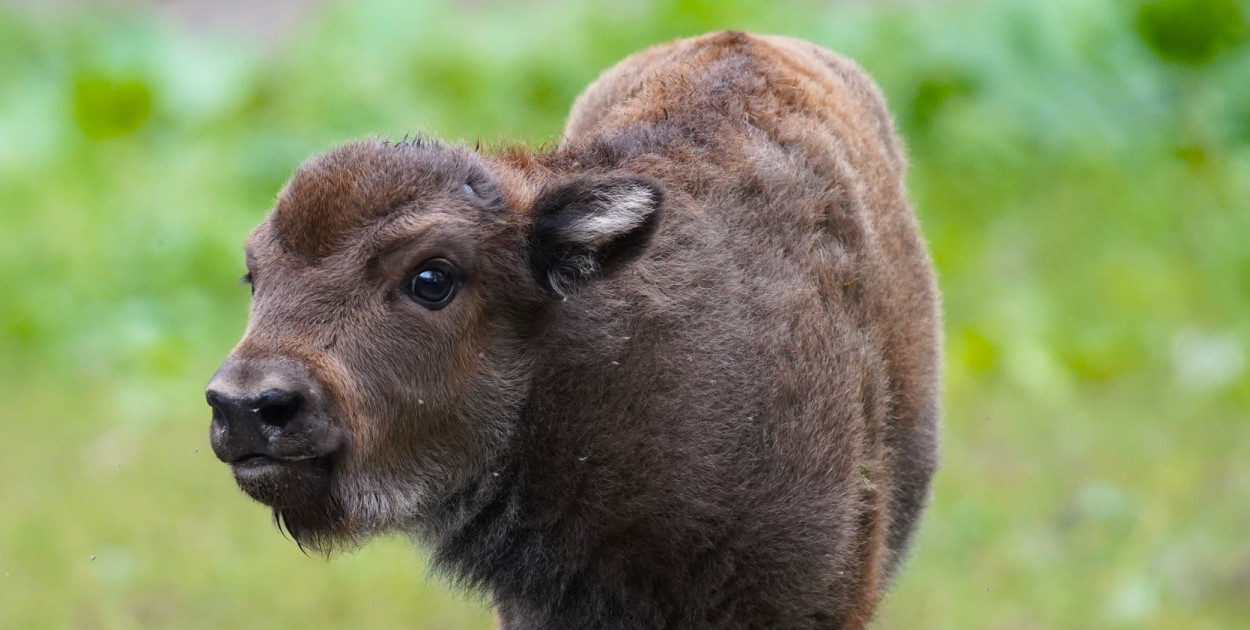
(321, 528)
(357, 505)
(337, 523)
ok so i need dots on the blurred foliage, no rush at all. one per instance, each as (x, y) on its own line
(1191, 31)
(1081, 169)
(106, 108)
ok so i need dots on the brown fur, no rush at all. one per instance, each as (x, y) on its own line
(691, 379)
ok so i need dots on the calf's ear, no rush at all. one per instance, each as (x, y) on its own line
(590, 226)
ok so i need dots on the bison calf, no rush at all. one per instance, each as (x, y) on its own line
(679, 372)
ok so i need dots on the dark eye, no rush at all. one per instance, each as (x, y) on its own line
(433, 284)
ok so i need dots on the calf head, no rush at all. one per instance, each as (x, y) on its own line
(399, 293)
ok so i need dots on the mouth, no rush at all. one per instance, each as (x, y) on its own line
(261, 459)
(283, 482)
(255, 459)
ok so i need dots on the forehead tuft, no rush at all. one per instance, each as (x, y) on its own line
(334, 193)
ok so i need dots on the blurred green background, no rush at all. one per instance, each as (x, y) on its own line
(1081, 169)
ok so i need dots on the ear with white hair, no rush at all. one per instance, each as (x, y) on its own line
(590, 226)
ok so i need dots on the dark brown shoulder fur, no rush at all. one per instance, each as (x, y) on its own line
(739, 429)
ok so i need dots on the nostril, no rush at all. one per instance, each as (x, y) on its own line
(277, 408)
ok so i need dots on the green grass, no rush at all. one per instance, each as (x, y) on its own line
(1081, 170)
